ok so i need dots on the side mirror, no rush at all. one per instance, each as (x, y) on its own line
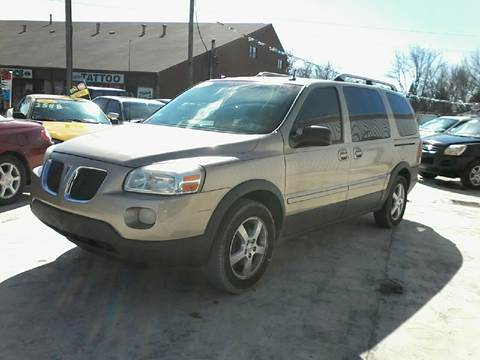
(9, 113)
(311, 135)
(18, 115)
(113, 117)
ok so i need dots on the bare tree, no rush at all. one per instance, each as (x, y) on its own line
(307, 69)
(416, 70)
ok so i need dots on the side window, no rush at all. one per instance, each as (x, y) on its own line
(102, 103)
(404, 117)
(114, 106)
(23, 107)
(368, 116)
(322, 108)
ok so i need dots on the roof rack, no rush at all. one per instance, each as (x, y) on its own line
(368, 81)
(271, 74)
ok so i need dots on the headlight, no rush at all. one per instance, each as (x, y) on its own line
(169, 178)
(455, 150)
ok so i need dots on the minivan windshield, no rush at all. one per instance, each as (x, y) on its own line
(242, 107)
(469, 128)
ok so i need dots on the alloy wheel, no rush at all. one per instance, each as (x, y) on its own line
(398, 202)
(474, 175)
(248, 248)
(10, 180)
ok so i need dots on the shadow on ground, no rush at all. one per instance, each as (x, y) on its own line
(452, 185)
(22, 201)
(319, 300)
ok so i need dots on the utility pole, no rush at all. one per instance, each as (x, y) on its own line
(190, 43)
(68, 42)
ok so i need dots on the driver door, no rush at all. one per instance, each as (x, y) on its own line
(317, 176)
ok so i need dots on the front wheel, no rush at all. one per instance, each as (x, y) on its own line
(471, 176)
(393, 209)
(12, 179)
(242, 248)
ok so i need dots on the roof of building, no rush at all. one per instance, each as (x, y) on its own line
(43, 45)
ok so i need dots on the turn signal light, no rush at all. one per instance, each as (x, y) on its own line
(190, 183)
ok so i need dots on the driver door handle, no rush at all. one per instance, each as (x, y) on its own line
(342, 154)
(357, 153)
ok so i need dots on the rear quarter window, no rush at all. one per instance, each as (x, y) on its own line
(368, 116)
(404, 117)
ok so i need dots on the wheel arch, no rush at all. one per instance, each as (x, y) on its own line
(402, 169)
(259, 190)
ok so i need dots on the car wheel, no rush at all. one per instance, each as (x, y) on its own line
(12, 179)
(242, 248)
(471, 176)
(426, 175)
(393, 209)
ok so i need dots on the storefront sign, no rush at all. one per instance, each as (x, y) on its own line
(6, 87)
(145, 92)
(22, 73)
(99, 78)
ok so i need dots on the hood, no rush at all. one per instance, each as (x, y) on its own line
(64, 131)
(447, 139)
(18, 124)
(136, 145)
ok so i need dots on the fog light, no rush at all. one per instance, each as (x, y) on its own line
(140, 218)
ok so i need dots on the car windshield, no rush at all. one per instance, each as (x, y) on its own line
(68, 110)
(439, 124)
(229, 106)
(140, 110)
(469, 128)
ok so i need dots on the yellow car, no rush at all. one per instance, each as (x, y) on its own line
(63, 117)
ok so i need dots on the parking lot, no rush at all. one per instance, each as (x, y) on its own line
(349, 291)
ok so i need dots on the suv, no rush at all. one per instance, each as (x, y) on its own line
(455, 153)
(225, 169)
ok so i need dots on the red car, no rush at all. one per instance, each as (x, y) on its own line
(22, 146)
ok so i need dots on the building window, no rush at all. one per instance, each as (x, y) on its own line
(252, 52)
(279, 64)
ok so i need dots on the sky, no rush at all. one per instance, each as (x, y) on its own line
(359, 37)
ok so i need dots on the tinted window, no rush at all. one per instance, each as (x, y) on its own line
(322, 108)
(113, 106)
(102, 102)
(244, 107)
(404, 117)
(139, 110)
(368, 117)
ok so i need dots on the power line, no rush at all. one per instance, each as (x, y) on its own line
(198, 27)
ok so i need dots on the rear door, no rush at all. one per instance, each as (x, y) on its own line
(316, 176)
(371, 148)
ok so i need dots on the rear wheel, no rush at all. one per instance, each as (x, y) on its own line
(426, 175)
(242, 248)
(12, 179)
(471, 176)
(393, 209)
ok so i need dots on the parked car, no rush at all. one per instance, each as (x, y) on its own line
(128, 108)
(441, 124)
(63, 117)
(96, 91)
(423, 118)
(455, 153)
(22, 147)
(228, 168)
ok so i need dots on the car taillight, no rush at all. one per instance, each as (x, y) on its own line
(45, 136)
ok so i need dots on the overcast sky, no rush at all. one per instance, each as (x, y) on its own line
(355, 36)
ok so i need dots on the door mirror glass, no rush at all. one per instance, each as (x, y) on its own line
(113, 117)
(311, 135)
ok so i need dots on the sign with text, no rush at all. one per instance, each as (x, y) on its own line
(100, 78)
(22, 73)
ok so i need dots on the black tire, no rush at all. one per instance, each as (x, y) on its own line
(220, 272)
(384, 217)
(427, 175)
(12, 167)
(470, 177)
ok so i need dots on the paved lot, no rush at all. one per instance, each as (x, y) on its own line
(321, 299)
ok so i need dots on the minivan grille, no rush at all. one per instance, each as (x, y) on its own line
(54, 175)
(85, 183)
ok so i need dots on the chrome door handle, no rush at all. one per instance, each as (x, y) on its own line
(357, 153)
(342, 154)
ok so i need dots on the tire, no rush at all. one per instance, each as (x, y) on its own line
(227, 267)
(12, 179)
(471, 177)
(428, 176)
(386, 217)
